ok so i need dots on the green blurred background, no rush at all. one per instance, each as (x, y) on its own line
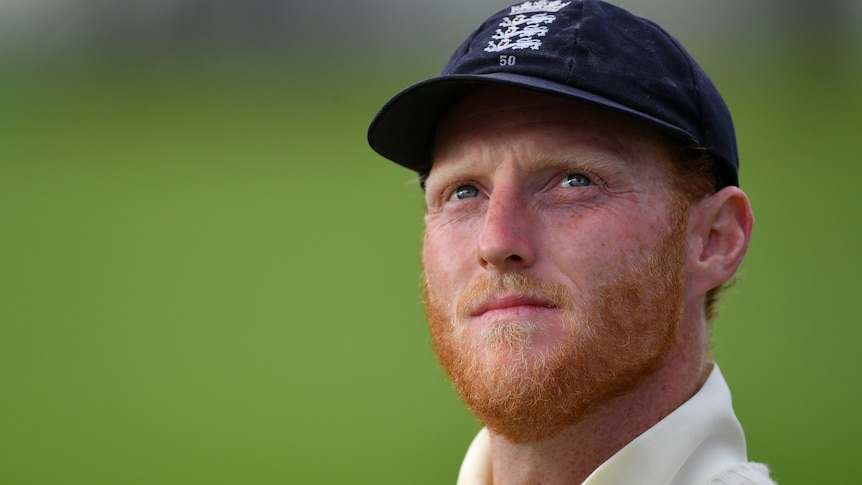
(207, 276)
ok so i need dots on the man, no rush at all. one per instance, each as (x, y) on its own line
(583, 212)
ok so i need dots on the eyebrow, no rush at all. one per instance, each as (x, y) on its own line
(587, 160)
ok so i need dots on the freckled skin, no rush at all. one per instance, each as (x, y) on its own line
(615, 247)
(617, 208)
(562, 234)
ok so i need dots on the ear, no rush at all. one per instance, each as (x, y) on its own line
(720, 230)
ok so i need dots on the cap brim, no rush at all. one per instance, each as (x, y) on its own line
(403, 130)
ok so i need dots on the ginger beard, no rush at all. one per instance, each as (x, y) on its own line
(616, 335)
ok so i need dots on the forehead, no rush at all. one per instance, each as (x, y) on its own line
(503, 113)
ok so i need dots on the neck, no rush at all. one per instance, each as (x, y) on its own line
(571, 455)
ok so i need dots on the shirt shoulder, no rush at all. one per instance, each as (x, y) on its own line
(743, 474)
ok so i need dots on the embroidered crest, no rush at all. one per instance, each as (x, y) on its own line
(540, 6)
(520, 31)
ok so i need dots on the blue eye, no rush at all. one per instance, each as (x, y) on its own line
(465, 192)
(576, 180)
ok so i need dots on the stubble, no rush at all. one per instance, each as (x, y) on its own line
(615, 335)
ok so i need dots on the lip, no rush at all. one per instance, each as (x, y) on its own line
(511, 302)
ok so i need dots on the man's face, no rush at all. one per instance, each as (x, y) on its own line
(554, 258)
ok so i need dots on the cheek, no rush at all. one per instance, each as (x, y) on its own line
(591, 235)
(598, 243)
(448, 259)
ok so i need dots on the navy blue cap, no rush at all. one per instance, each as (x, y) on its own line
(583, 50)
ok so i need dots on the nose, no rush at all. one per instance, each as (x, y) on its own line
(505, 242)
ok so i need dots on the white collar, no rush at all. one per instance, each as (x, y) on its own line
(693, 443)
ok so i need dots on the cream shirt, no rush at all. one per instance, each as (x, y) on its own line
(693, 445)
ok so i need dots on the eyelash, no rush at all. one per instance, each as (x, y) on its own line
(594, 178)
(454, 188)
(586, 178)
